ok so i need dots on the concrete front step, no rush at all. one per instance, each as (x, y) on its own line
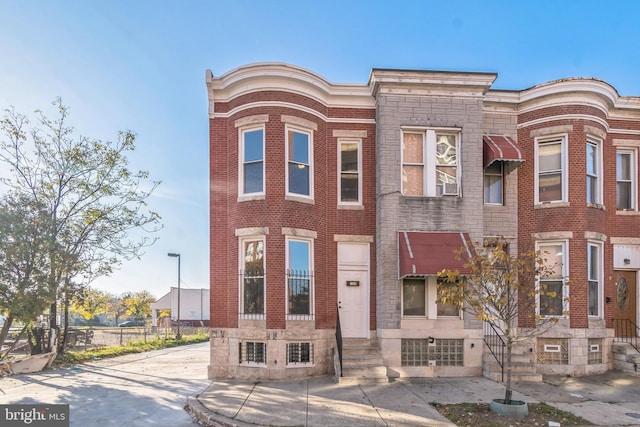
(515, 377)
(515, 358)
(523, 368)
(626, 358)
(362, 362)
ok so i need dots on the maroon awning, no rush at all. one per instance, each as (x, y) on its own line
(423, 253)
(501, 148)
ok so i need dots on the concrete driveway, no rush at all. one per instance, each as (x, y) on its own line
(146, 389)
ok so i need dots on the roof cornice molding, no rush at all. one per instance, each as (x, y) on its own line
(428, 82)
(576, 91)
(272, 76)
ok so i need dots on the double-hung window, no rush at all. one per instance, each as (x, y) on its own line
(430, 162)
(626, 180)
(349, 161)
(252, 276)
(299, 162)
(552, 292)
(493, 183)
(594, 269)
(594, 171)
(252, 161)
(551, 170)
(299, 278)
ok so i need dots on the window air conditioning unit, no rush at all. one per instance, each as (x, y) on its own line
(449, 189)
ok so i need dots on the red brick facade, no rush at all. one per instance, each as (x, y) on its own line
(278, 95)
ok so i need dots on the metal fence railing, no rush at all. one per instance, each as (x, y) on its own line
(106, 337)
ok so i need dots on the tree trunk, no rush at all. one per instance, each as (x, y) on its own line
(508, 392)
(5, 330)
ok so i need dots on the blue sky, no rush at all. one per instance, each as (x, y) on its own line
(140, 65)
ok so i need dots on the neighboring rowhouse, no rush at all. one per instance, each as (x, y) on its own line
(336, 205)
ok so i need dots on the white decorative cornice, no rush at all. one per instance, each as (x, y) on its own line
(298, 107)
(427, 82)
(261, 77)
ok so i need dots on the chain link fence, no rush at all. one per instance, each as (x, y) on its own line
(84, 339)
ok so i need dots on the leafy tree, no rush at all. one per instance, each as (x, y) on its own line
(499, 289)
(90, 303)
(24, 290)
(138, 304)
(91, 197)
(116, 307)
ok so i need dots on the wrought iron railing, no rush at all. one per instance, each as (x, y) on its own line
(339, 337)
(496, 344)
(626, 331)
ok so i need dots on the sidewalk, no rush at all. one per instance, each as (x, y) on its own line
(608, 400)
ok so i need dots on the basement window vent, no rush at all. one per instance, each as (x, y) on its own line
(595, 351)
(553, 351)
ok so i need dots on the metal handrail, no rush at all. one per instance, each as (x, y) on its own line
(339, 337)
(493, 340)
(626, 331)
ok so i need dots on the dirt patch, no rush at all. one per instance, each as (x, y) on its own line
(480, 415)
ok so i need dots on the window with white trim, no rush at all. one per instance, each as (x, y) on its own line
(551, 170)
(299, 353)
(420, 299)
(299, 278)
(252, 278)
(252, 353)
(552, 289)
(414, 297)
(251, 176)
(594, 171)
(626, 182)
(430, 162)
(594, 273)
(299, 162)
(493, 183)
(349, 163)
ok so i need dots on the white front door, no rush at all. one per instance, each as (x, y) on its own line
(353, 303)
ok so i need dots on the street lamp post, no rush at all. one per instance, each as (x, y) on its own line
(174, 255)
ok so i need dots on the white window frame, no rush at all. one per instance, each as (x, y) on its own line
(426, 299)
(241, 262)
(241, 163)
(358, 143)
(565, 267)
(593, 141)
(297, 363)
(562, 139)
(633, 166)
(311, 314)
(484, 184)
(309, 133)
(599, 276)
(431, 298)
(429, 161)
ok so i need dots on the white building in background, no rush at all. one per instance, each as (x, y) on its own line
(194, 306)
